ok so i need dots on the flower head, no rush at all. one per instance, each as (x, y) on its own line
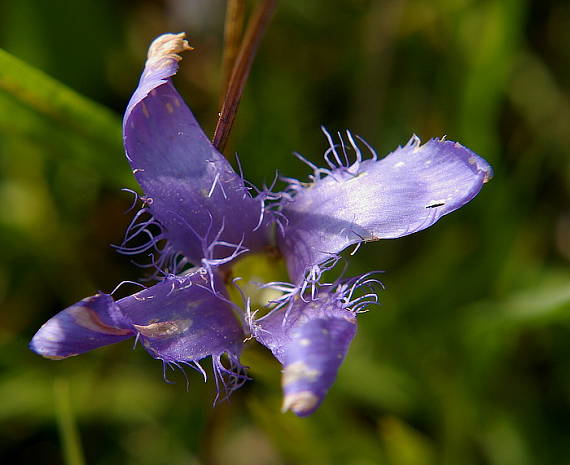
(198, 211)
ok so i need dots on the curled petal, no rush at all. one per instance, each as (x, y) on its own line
(405, 192)
(91, 323)
(310, 340)
(191, 189)
(182, 319)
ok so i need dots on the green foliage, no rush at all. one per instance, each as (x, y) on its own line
(467, 361)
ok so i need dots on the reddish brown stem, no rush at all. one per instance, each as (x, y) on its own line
(252, 38)
(233, 29)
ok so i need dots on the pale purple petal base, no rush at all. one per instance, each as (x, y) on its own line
(181, 319)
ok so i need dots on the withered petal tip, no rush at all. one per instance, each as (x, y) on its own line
(167, 46)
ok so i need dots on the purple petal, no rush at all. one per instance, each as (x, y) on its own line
(405, 192)
(191, 189)
(181, 319)
(91, 323)
(310, 340)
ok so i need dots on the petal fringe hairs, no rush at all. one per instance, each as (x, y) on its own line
(198, 216)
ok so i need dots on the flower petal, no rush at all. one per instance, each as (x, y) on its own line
(191, 188)
(405, 192)
(310, 340)
(181, 319)
(91, 323)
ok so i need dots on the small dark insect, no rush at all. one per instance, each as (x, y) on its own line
(433, 205)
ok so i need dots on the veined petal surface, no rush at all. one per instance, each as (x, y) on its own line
(405, 192)
(180, 319)
(183, 319)
(191, 188)
(91, 323)
(310, 340)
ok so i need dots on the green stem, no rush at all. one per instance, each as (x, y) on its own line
(69, 435)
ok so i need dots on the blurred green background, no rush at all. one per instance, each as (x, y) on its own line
(467, 360)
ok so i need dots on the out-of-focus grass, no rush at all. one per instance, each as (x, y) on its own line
(71, 442)
(468, 358)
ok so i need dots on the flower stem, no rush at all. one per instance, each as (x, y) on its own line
(233, 29)
(252, 38)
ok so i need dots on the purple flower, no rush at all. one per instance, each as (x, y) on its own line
(198, 211)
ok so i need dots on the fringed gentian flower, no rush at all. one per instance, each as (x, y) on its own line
(198, 211)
